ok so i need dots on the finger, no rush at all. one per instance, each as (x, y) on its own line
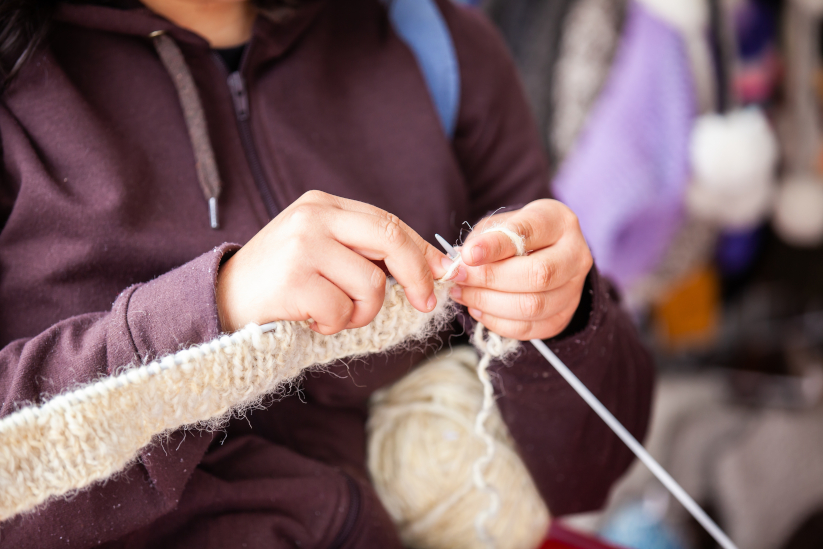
(327, 305)
(541, 223)
(384, 238)
(433, 255)
(518, 306)
(360, 279)
(522, 330)
(544, 270)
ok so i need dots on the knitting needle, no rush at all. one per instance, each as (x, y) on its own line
(657, 470)
(641, 453)
(450, 251)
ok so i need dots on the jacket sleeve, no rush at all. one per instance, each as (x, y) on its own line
(571, 454)
(155, 318)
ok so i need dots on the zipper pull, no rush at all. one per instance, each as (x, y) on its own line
(214, 220)
(239, 96)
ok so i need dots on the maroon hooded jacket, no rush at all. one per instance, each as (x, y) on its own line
(107, 259)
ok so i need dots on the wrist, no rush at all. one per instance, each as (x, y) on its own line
(224, 297)
(582, 314)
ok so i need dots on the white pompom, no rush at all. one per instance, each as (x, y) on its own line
(733, 152)
(688, 16)
(798, 215)
(733, 160)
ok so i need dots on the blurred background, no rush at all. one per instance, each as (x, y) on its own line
(686, 134)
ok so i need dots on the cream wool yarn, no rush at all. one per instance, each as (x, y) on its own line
(422, 442)
(449, 524)
(92, 433)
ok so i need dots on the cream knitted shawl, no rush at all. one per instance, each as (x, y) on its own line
(89, 434)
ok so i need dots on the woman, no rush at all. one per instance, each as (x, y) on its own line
(143, 143)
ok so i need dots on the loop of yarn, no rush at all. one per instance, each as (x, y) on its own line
(94, 432)
(517, 239)
(422, 442)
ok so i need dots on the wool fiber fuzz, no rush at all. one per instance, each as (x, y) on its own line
(422, 456)
(89, 434)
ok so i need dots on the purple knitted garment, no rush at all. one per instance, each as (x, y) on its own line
(626, 176)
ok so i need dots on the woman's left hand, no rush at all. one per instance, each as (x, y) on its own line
(525, 297)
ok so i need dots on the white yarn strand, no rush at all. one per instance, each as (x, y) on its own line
(493, 346)
(517, 239)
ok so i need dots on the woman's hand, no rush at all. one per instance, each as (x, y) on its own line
(315, 260)
(529, 297)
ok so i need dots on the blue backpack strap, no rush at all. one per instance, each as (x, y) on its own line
(420, 25)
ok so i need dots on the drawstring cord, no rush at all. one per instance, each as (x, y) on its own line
(207, 173)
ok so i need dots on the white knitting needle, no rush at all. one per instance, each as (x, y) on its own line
(638, 450)
(641, 453)
(450, 251)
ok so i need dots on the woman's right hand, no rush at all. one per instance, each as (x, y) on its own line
(316, 261)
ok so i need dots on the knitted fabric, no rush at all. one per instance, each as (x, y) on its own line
(94, 432)
(626, 176)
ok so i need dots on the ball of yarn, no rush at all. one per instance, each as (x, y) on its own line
(733, 159)
(798, 213)
(421, 449)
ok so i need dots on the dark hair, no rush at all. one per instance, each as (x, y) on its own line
(25, 23)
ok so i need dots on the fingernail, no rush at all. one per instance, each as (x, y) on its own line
(478, 253)
(446, 262)
(475, 313)
(462, 274)
(431, 302)
(456, 292)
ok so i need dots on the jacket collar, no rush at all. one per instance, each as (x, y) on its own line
(272, 34)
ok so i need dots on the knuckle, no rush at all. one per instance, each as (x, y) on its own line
(559, 323)
(570, 217)
(520, 330)
(377, 280)
(542, 274)
(424, 277)
(488, 276)
(531, 305)
(392, 230)
(571, 223)
(588, 261)
(476, 298)
(304, 214)
(313, 196)
(343, 314)
(524, 228)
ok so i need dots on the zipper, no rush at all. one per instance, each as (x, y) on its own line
(240, 100)
(352, 515)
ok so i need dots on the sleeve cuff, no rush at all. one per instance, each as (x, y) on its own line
(177, 309)
(598, 295)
